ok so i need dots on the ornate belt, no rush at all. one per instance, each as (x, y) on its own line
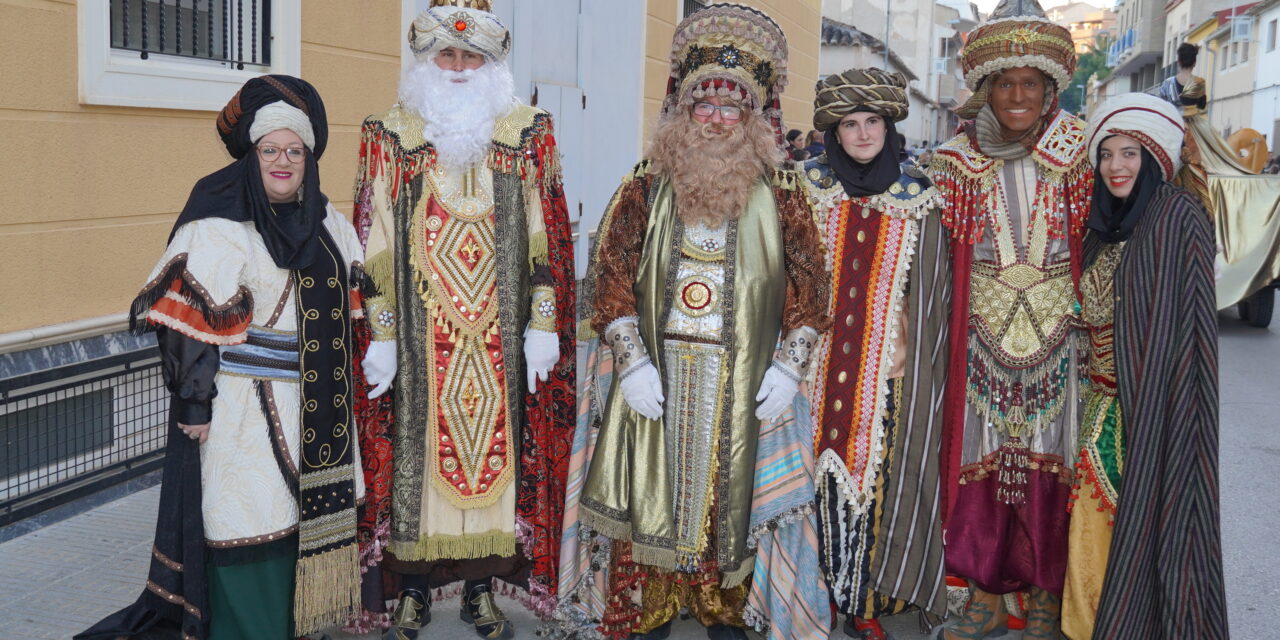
(1021, 312)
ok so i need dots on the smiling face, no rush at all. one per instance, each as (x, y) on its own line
(280, 177)
(862, 135)
(1119, 160)
(1017, 97)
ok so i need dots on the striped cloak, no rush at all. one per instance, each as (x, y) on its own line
(1164, 571)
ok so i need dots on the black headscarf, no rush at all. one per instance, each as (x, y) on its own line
(235, 191)
(872, 178)
(1114, 219)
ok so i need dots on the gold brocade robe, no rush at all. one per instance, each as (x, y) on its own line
(455, 253)
(630, 488)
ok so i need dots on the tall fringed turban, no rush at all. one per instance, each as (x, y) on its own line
(1016, 35)
(1154, 123)
(729, 50)
(873, 89)
(465, 24)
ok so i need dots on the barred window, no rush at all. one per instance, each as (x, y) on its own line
(233, 32)
(691, 6)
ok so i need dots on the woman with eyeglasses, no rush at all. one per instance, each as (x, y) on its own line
(252, 304)
(1144, 550)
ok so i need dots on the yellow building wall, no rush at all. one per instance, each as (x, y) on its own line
(801, 21)
(89, 193)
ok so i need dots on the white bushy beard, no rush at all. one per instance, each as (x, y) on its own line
(459, 116)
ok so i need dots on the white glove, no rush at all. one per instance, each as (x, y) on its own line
(777, 390)
(541, 351)
(379, 366)
(1219, 263)
(642, 389)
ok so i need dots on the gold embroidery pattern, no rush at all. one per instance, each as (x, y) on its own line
(1022, 312)
(458, 265)
(471, 401)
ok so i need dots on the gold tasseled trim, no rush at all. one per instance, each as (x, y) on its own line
(438, 547)
(787, 180)
(328, 589)
(539, 253)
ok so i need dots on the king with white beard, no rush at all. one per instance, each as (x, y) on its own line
(460, 203)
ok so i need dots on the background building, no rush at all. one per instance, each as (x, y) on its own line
(1266, 79)
(1136, 55)
(1088, 24)
(1227, 61)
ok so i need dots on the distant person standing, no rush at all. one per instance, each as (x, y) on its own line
(795, 145)
(1187, 92)
(813, 144)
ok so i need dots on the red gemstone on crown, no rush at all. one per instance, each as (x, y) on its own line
(460, 25)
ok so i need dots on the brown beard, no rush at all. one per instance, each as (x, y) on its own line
(712, 167)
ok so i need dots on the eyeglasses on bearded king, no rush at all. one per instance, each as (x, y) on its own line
(728, 112)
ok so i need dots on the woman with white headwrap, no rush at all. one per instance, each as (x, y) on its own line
(252, 303)
(1145, 558)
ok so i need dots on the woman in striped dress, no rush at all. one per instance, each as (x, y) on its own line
(1145, 558)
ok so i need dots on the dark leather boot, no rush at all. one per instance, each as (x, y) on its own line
(480, 609)
(412, 613)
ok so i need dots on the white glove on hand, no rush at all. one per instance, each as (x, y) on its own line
(777, 390)
(1219, 262)
(541, 351)
(379, 366)
(642, 389)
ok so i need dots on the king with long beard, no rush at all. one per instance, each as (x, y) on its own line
(707, 257)
(460, 204)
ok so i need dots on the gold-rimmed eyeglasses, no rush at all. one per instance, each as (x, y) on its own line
(269, 153)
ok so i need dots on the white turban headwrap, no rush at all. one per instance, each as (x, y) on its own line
(282, 115)
(439, 28)
(1154, 123)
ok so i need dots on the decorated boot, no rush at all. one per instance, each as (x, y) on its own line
(412, 613)
(479, 608)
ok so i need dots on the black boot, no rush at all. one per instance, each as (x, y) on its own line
(660, 633)
(412, 613)
(725, 632)
(480, 609)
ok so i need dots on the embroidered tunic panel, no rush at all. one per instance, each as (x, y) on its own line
(869, 242)
(456, 269)
(1102, 428)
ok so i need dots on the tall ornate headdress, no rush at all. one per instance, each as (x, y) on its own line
(729, 50)
(874, 89)
(1016, 35)
(465, 24)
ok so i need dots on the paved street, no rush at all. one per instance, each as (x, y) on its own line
(59, 579)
